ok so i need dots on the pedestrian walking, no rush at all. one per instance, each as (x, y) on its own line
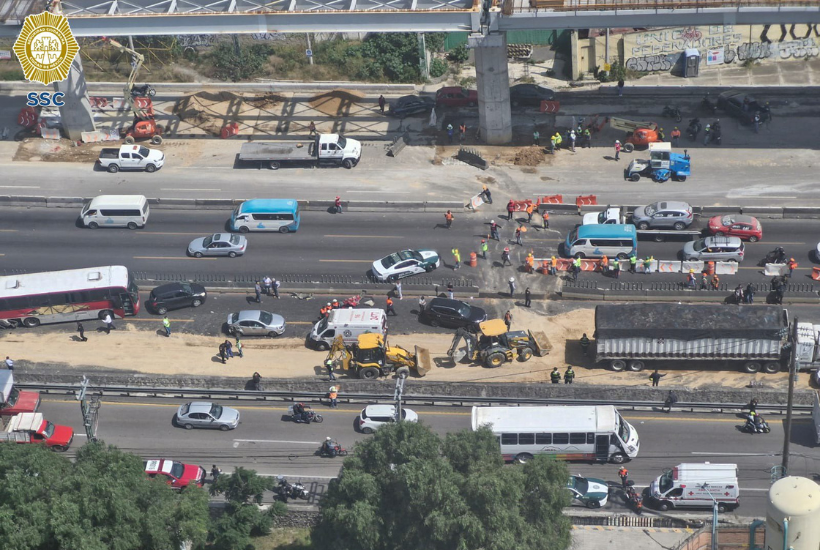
(572, 140)
(267, 283)
(529, 262)
(558, 140)
(704, 281)
(527, 297)
(257, 288)
(518, 236)
(715, 282)
(311, 128)
(239, 347)
(505, 257)
(450, 290)
(337, 205)
(422, 304)
(604, 265)
(511, 283)
(329, 368)
(569, 375)
(275, 286)
(661, 134)
(623, 473)
(587, 138)
(215, 472)
(545, 219)
(456, 258)
(448, 219)
(9, 363)
(108, 321)
(675, 136)
(792, 266)
(655, 377)
(228, 349)
(616, 267)
(398, 290)
(530, 210)
(576, 268)
(450, 133)
(617, 150)
(510, 209)
(333, 394)
(488, 196)
(222, 352)
(166, 323)
(462, 132)
(691, 282)
(552, 145)
(389, 307)
(584, 342)
(647, 264)
(633, 262)
(381, 103)
(494, 230)
(553, 266)
(750, 293)
(555, 376)
(508, 319)
(621, 88)
(484, 248)
(81, 330)
(536, 138)
(671, 399)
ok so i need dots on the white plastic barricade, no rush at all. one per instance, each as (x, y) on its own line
(774, 270)
(476, 201)
(668, 266)
(50, 133)
(726, 268)
(697, 266)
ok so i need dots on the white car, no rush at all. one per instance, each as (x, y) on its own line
(374, 417)
(399, 265)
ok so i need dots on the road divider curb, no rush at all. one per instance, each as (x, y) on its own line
(801, 212)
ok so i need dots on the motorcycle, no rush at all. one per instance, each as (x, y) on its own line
(634, 499)
(286, 490)
(672, 112)
(146, 90)
(308, 416)
(755, 424)
(694, 129)
(707, 104)
(776, 256)
(334, 451)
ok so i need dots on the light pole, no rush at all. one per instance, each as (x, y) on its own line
(705, 487)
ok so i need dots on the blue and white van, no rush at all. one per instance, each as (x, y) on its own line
(280, 215)
(595, 241)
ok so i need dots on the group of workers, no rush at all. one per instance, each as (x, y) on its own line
(325, 310)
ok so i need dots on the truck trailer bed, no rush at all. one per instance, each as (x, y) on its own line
(262, 151)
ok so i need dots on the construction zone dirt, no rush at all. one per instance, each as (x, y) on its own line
(211, 111)
(337, 103)
(56, 150)
(529, 156)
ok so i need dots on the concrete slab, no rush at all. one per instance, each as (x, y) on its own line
(792, 67)
(796, 78)
(726, 80)
(634, 538)
(769, 80)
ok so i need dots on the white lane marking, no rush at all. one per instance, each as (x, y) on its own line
(277, 441)
(186, 189)
(20, 186)
(697, 453)
(80, 435)
(381, 192)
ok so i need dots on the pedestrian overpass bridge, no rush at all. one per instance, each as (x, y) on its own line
(177, 17)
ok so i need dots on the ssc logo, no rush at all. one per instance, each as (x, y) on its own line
(46, 48)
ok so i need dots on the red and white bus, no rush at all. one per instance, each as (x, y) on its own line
(35, 299)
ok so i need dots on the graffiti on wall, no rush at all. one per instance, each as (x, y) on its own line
(195, 40)
(661, 50)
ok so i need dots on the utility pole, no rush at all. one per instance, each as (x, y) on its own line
(397, 395)
(792, 374)
(90, 409)
(309, 51)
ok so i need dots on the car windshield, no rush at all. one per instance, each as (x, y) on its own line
(183, 410)
(464, 311)
(602, 217)
(410, 255)
(650, 209)
(265, 317)
(208, 241)
(665, 482)
(235, 240)
(623, 429)
(322, 326)
(144, 152)
(581, 485)
(341, 142)
(727, 220)
(49, 430)
(699, 244)
(390, 260)
(216, 411)
(177, 469)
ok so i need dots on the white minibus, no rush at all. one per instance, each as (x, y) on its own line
(129, 211)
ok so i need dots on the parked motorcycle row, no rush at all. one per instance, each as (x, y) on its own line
(712, 131)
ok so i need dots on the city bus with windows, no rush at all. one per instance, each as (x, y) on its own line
(34, 299)
(585, 433)
(280, 215)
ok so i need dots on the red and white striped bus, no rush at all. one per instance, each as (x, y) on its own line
(34, 299)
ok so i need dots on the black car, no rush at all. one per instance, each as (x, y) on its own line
(530, 94)
(411, 105)
(175, 296)
(452, 313)
(743, 107)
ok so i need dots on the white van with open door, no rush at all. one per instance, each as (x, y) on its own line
(697, 485)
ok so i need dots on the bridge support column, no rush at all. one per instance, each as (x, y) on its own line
(493, 83)
(76, 115)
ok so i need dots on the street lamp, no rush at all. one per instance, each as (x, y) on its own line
(705, 487)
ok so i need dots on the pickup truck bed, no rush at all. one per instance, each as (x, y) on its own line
(275, 151)
(110, 153)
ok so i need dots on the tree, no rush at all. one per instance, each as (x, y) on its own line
(102, 501)
(242, 518)
(406, 489)
(230, 62)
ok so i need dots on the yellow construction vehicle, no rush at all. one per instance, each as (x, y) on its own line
(495, 345)
(371, 357)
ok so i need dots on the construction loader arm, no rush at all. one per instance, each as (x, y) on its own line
(339, 354)
(469, 340)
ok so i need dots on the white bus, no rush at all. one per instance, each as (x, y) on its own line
(593, 433)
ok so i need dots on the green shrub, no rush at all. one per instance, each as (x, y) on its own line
(459, 54)
(438, 67)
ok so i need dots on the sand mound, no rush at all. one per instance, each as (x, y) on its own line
(531, 156)
(210, 111)
(335, 102)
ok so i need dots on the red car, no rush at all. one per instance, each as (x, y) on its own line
(456, 96)
(735, 225)
(177, 474)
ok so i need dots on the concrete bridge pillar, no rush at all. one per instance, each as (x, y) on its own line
(76, 115)
(493, 83)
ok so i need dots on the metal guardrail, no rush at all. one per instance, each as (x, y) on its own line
(250, 395)
(619, 520)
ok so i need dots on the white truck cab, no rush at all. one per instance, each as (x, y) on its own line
(608, 216)
(696, 485)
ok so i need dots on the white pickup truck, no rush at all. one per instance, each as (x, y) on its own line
(131, 157)
(608, 216)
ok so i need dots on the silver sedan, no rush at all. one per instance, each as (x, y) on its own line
(254, 322)
(202, 414)
(218, 244)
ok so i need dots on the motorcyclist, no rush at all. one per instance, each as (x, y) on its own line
(298, 411)
(760, 424)
(330, 447)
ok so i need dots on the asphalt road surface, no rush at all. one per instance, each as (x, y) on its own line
(272, 445)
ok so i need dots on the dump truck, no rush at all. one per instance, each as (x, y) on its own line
(33, 428)
(634, 336)
(495, 345)
(371, 356)
(332, 149)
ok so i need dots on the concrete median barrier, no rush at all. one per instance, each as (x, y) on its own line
(798, 212)
(20, 200)
(771, 212)
(65, 202)
(173, 204)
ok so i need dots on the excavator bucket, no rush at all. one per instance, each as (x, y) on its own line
(542, 343)
(630, 125)
(423, 361)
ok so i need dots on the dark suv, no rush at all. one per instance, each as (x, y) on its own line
(175, 296)
(452, 313)
(743, 107)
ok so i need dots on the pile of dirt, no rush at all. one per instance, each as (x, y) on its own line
(211, 111)
(57, 150)
(489, 180)
(336, 103)
(529, 156)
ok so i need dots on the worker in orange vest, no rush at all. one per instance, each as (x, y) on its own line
(792, 266)
(530, 261)
(675, 136)
(325, 310)
(389, 309)
(448, 219)
(333, 394)
(604, 264)
(529, 212)
(546, 218)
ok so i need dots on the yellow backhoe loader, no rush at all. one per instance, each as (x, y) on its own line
(371, 357)
(495, 345)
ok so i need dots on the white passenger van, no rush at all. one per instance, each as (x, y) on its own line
(695, 486)
(129, 211)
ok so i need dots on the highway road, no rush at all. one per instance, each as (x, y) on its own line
(271, 445)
